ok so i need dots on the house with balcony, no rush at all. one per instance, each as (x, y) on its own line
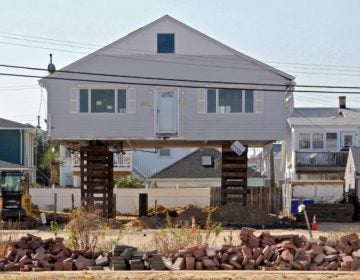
(70, 168)
(321, 138)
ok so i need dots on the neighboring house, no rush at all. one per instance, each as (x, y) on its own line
(263, 164)
(199, 169)
(142, 163)
(70, 168)
(352, 172)
(17, 144)
(147, 163)
(227, 103)
(319, 150)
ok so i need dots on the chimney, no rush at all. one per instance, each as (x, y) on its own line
(342, 102)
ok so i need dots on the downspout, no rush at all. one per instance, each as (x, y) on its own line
(21, 146)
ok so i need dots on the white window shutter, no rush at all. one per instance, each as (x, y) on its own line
(259, 102)
(202, 104)
(131, 101)
(74, 101)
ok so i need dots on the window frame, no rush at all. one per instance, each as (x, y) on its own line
(336, 143)
(164, 156)
(157, 42)
(299, 140)
(89, 99)
(313, 141)
(243, 101)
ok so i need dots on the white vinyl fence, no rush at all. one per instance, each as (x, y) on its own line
(127, 200)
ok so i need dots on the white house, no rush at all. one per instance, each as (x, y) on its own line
(200, 91)
(352, 172)
(167, 85)
(321, 138)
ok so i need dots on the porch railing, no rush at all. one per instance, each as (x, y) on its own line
(336, 159)
(120, 160)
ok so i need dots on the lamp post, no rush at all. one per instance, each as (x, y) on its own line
(301, 208)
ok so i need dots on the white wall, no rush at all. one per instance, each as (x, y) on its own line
(127, 199)
(319, 192)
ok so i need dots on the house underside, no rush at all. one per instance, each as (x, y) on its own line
(96, 167)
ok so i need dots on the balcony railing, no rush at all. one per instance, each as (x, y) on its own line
(119, 160)
(318, 159)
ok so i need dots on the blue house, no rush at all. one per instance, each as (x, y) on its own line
(17, 146)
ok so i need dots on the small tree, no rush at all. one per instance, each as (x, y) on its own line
(51, 161)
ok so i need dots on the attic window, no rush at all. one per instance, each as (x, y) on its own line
(206, 161)
(166, 43)
(164, 153)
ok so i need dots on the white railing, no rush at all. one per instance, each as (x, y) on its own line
(119, 160)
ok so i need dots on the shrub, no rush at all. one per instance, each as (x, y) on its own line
(178, 236)
(129, 182)
(85, 229)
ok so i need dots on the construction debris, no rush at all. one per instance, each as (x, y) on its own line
(264, 251)
(31, 253)
(228, 215)
(272, 252)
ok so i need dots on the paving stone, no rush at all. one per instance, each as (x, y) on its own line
(199, 265)
(199, 253)
(81, 263)
(287, 255)
(102, 260)
(210, 252)
(179, 263)
(226, 266)
(329, 250)
(190, 263)
(208, 263)
(58, 266)
(319, 258)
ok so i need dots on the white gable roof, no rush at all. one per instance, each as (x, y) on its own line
(194, 51)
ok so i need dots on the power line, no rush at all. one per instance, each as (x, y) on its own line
(159, 84)
(173, 79)
(149, 52)
(183, 58)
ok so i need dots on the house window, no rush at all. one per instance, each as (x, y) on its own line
(304, 140)
(331, 140)
(166, 43)
(348, 140)
(84, 101)
(164, 153)
(230, 101)
(121, 99)
(103, 100)
(318, 141)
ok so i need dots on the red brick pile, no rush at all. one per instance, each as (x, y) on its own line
(31, 253)
(272, 252)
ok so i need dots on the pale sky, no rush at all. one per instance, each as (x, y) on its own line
(316, 41)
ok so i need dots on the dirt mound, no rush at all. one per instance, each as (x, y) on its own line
(239, 215)
(185, 215)
(135, 225)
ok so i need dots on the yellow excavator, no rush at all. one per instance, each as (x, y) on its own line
(15, 201)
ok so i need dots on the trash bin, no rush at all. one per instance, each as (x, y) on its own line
(307, 202)
(294, 206)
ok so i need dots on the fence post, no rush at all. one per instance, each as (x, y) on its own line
(55, 206)
(143, 204)
(72, 202)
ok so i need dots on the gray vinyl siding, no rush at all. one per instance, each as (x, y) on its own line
(192, 125)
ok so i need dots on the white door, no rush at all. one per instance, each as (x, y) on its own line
(166, 111)
(347, 139)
